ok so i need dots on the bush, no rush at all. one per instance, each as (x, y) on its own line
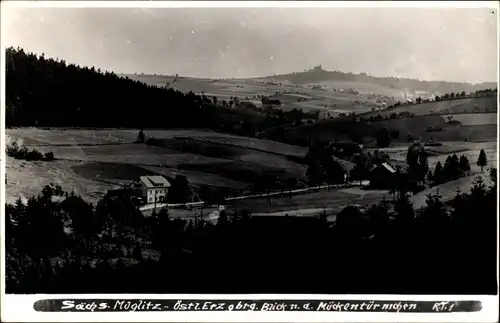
(49, 156)
(24, 153)
(34, 155)
(12, 150)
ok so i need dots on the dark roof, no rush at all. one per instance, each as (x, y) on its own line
(347, 166)
(154, 181)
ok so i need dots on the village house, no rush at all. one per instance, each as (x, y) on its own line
(153, 189)
(382, 176)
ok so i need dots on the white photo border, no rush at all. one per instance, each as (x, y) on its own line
(19, 308)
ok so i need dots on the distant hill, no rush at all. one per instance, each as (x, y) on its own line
(476, 121)
(320, 75)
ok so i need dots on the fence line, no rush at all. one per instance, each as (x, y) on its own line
(244, 197)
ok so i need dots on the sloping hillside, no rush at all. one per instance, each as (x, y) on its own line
(320, 75)
(407, 129)
(467, 105)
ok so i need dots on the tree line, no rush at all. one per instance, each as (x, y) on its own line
(59, 243)
(49, 92)
(414, 177)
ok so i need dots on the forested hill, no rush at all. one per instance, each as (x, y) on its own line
(44, 91)
(320, 75)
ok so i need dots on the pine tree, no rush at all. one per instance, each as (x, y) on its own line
(482, 160)
(141, 137)
(464, 164)
(423, 165)
(438, 173)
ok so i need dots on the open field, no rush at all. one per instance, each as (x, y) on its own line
(333, 200)
(91, 162)
(449, 190)
(440, 153)
(292, 95)
(484, 128)
(475, 119)
(466, 105)
(334, 97)
(477, 128)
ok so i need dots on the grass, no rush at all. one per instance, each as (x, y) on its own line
(466, 105)
(479, 128)
(476, 119)
(316, 99)
(448, 190)
(262, 145)
(93, 161)
(439, 154)
(333, 201)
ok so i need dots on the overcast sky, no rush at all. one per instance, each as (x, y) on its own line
(431, 44)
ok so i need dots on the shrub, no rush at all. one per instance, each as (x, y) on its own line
(23, 152)
(34, 155)
(49, 156)
(13, 149)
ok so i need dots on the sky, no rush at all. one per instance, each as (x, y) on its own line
(425, 43)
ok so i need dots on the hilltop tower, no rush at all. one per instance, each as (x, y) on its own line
(318, 68)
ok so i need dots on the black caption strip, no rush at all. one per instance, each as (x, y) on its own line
(158, 305)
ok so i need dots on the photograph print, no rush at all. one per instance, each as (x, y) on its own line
(329, 150)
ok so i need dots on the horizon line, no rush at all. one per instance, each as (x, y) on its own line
(16, 47)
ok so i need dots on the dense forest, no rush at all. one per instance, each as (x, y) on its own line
(58, 243)
(48, 92)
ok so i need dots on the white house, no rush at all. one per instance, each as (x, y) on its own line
(153, 188)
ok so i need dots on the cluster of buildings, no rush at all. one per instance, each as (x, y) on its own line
(337, 159)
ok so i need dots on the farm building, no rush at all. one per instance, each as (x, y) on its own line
(153, 189)
(382, 176)
(271, 104)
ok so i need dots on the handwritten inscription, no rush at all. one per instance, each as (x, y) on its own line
(443, 307)
(140, 305)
